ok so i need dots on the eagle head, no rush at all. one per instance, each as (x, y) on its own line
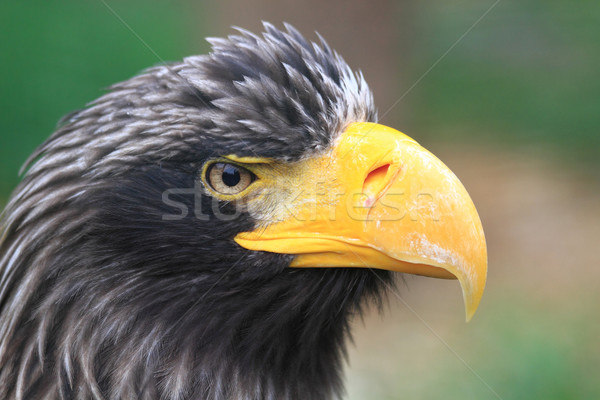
(207, 229)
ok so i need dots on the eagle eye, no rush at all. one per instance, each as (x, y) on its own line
(228, 179)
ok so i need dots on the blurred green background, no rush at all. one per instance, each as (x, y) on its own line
(506, 93)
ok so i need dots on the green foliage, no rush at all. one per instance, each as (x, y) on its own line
(520, 346)
(526, 350)
(526, 75)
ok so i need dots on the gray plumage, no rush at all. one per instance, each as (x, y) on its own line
(99, 295)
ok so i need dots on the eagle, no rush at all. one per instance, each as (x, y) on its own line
(208, 229)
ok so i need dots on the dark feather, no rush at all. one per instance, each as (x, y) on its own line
(103, 297)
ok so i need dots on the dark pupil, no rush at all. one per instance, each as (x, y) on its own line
(231, 175)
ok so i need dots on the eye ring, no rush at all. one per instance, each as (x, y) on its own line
(228, 179)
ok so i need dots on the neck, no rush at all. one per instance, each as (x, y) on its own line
(280, 336)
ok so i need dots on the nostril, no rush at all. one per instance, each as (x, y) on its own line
(375, 181)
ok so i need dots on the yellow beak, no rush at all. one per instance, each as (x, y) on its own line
(380, 200)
